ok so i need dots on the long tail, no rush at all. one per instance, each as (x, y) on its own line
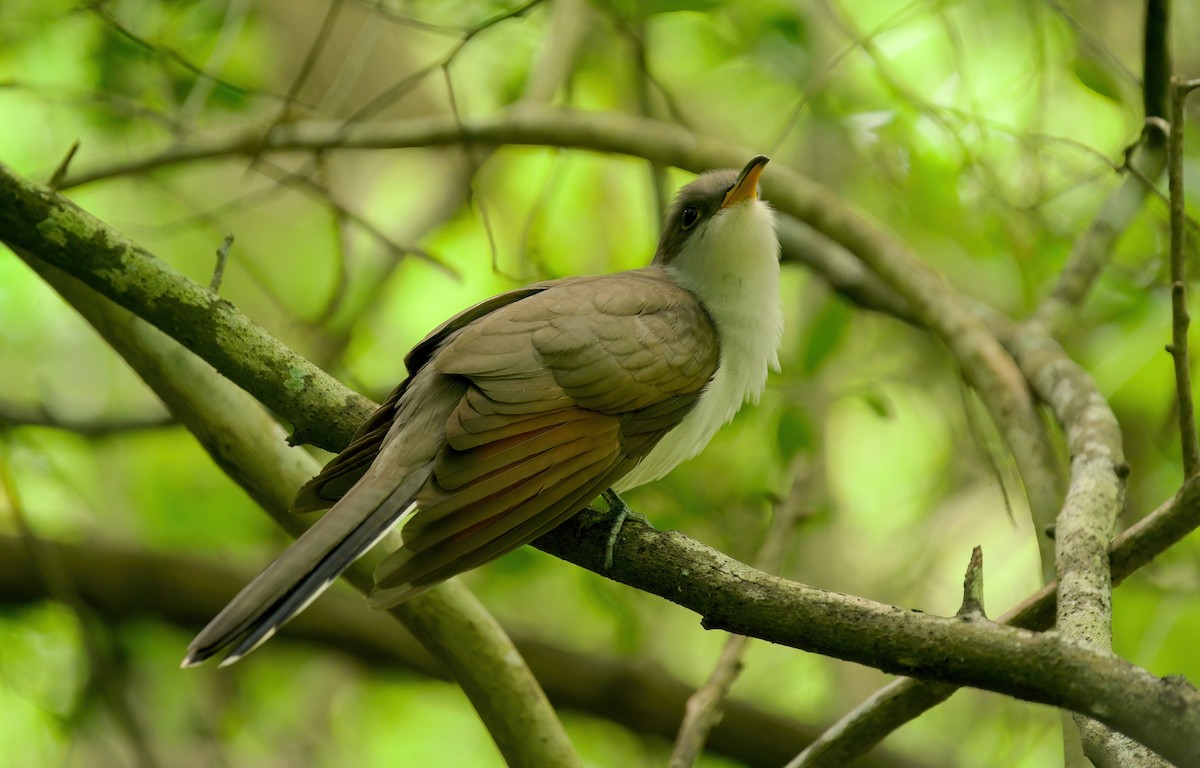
(305, 569)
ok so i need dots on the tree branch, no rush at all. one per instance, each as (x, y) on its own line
(59, 232)
(1180, 319)
(1035, 667)
(1091, 252)
(120, 584)
(1095, 498)
(1145, 161)
(14, 414)
(903, 700)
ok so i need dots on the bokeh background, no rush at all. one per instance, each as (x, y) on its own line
(985, 135)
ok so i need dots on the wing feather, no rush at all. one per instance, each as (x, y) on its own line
(482, 531)
(562, 396)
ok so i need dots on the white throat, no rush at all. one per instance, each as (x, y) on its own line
(732, 266)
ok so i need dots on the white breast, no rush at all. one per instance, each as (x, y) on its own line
(733, 269)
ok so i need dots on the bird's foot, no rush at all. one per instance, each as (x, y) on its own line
(621, 513)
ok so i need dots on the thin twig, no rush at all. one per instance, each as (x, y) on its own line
(60, 173)
(389, 96)
(303, 182)
(1092, 251)
(658, 173)
(972, 604)
(471, 167)
(341, 255)
(214, 285)
(1180, 319)
(14, 414)
(236, 13)
(170, 54)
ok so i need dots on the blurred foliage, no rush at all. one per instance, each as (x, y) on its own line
(982, 134)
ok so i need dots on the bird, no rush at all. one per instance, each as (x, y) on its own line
(518, 412)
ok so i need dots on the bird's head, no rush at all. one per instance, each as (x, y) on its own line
(718, 215)
(718, 231)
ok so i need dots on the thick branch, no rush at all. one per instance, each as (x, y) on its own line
(120, 584)
(1088, 518)
(903, 700)
(1036, 667)
(60, 233)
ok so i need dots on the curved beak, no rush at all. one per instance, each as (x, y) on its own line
(746, 186)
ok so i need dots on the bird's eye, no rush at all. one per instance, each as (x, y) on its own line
(690, 216)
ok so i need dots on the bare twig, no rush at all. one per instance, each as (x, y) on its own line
(375, 105)
(60, 173)
(1180, 319)
(658, 173)
(112, 104)
(14, 414)
(341, 257)
(820, 79)
(471, 167)
(214, 284)
(1092, 251)
(168, 53)
(571, 25)
(310, 57)
(972, 604)
(304, 183)
(1156, 62)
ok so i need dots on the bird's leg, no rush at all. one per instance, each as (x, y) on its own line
(621, 512)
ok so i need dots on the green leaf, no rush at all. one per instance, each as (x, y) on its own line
(1097, 77)
(878, 402)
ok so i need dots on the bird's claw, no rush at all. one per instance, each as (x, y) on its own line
(621, 513)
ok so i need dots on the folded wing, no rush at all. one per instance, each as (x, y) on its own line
(565, 394)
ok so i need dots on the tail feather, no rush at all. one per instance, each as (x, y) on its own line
(305, 569)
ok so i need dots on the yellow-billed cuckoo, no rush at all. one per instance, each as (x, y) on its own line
(519, 411)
